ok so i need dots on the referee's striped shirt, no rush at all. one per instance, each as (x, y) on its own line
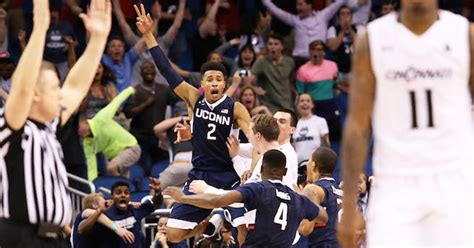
(33, 178)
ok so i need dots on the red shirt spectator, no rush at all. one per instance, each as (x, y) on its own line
(227, 16)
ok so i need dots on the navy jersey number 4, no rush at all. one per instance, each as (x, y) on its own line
(212, 124)
(278, 213)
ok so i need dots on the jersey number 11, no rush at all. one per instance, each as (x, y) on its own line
(414, 119)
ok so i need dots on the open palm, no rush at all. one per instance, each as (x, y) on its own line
(98, 19)
(144, 20)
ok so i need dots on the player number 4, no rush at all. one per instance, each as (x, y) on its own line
(212, 126)
(281, 216)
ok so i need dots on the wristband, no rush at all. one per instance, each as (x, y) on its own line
(114, 227)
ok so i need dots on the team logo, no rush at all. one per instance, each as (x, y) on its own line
(224, 111)
(412, 73)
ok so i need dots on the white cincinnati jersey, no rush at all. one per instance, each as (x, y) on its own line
(421, 118)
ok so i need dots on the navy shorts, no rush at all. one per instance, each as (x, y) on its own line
(185, 216)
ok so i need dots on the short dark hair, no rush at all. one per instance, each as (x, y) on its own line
(118, 184)
(116, 37)
(309, 2)
(277, 36)
(267, 126)
(213, 66)
(274, 159)
(343, 7)
(325, 159)
(294, 117)
(315, 43)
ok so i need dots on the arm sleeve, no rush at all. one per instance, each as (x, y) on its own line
(145, 209)
(109, 111)
(163, 64)
(250, 193)
(284, 16)
(323, 127)
(332, 9)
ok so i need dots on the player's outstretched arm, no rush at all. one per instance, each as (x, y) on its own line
(27, 71)
(356, 139)
(208, 201)
(184, 90)
(98, 22)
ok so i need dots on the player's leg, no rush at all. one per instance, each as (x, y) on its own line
(236, 217)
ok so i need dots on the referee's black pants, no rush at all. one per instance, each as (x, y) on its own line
(16, 235)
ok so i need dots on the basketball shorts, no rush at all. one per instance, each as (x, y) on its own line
(429, 210)
(184, 216)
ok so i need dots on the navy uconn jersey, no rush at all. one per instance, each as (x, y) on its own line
(326, 234)
(278, 213)
(211, 127)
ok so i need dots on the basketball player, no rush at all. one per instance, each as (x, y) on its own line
(325, 192)
(279, 210)
(411, 77)
(213, 118)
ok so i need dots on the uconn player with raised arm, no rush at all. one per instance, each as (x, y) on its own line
(279, 210)
(214, 116)
(324, 191)
(412, 72)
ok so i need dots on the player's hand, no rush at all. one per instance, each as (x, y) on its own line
(144, 20)
(245, 176)
(351, 229)
(233, 145)
(184, 132)
(174, 192)
(127, 236)
(98, 19)
(198, 186)
(298, 189)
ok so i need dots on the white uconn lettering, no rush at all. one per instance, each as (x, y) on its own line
(211, 116)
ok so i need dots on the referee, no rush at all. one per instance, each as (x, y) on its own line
(34, 204)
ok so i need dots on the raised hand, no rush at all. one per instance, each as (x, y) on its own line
(174, 192)
(144, 20)
(155, 184)
(126, 235)
(98, 19)
(184, 132)
(198, 186)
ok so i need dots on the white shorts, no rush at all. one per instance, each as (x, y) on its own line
(434, 210)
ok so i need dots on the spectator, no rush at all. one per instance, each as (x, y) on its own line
(340, 41)
(275, 74)
(100, 94)
(146, 108)
(7, 67)
(257, 31)
(128, 216)
(229, 63)
(103, 134)
(248, 97)
(121, 63)
(207, 39)
(311, 131)
(227, 17)
(84, 234)
(361, 12)
(166, 40)
(161, 241)
(387, 7)
(56, 49)
(364, 190)
(247, 57)
(309, 25)
(317, 78)
(177, 172)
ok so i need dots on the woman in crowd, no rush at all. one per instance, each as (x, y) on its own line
(248, 97)
(311, 131)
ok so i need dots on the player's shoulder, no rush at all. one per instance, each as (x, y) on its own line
(387, 19)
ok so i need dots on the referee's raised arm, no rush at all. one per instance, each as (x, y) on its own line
(34, 203)
(25, 77)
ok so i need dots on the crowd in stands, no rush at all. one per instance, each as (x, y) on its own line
(280, 54)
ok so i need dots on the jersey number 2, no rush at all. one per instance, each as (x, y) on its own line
(213, 129)
(281, 216)
(414, 118)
